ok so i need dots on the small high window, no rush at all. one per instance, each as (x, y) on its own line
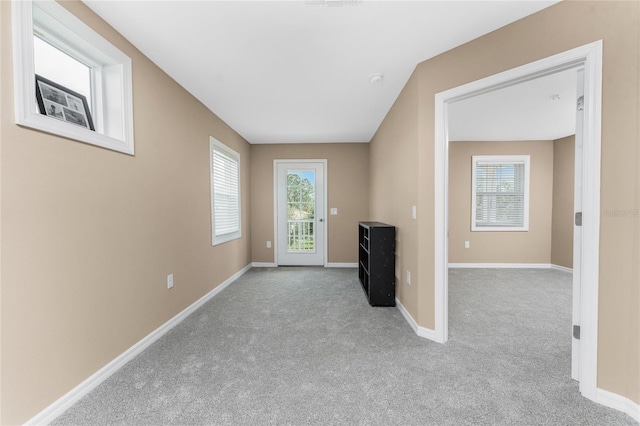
(500, 193)
(68, 80)
(225, 193)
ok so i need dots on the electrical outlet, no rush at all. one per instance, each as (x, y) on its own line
(268, 244)
(170, 281)
(466, 244)
(334, 211)
(408, 277)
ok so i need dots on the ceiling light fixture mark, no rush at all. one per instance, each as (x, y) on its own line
(376, 78)
(332, 3)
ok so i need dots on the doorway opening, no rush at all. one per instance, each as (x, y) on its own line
(588, 57)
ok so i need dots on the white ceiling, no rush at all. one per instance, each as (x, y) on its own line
(539, 109)
(298, 71)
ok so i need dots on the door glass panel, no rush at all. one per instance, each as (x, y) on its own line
(301, 208)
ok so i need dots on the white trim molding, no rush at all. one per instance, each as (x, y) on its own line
(512, 265)
(561, 268)
(328, 265)
(618, 402)
(501, 265)
(54, 410)
(589, 58)
(427, 333)
(342, 265)
(264, 265)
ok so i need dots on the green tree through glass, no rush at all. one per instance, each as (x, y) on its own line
(300, 211)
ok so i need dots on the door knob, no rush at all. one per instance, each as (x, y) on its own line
(320, 220)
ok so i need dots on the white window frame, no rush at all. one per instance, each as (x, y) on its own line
(501, 159)
(216, 145)
(111, 75)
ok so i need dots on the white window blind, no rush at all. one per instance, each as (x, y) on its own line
(500, 188)
(225, 192)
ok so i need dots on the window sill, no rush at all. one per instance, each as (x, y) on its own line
(226, 238)
(498, 229)
(67, 130)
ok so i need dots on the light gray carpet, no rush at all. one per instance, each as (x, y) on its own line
(302, 346)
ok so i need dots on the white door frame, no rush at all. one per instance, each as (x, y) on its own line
(590, 58)
(275, 205)
(577, 231)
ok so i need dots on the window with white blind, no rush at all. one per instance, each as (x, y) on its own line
(500, 193)
(225, 192)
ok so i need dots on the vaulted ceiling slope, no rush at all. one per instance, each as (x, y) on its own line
(299, 71)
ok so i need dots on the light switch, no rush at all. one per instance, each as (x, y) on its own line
(170, 281)
(414, 212)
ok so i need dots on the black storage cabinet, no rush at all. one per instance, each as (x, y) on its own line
(377, 262)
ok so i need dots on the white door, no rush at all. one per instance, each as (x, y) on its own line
(577, 230)
(300, 226)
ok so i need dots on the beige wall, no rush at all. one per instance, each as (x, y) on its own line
(535, 37)
(89, 235)
(562, 219)
(533, 246)
(347, 190)
(393, 177)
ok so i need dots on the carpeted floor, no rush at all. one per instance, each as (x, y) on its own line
(302, 346)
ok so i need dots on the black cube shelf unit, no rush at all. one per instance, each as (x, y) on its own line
(377, 262)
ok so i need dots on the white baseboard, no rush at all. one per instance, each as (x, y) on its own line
(501, 265)
(54, 410)
(511, 265)
(427, 333)
(328, 265)
(561, 268)
(618, 402)
(341, 265)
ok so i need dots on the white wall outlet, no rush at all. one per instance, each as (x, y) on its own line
(414, 212)
(334, 211)
(466, 244)
(170, 281)
(408, 277)
(268, 244)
